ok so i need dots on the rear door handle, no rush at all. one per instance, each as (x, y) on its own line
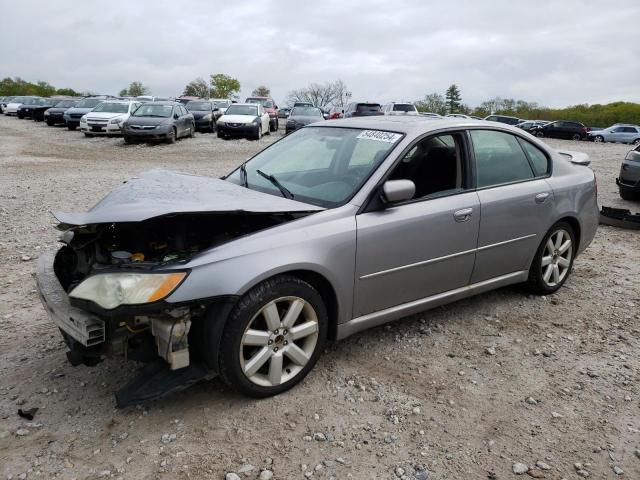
(463, 215)
(542, 197)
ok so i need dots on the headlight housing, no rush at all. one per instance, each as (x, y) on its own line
(117, 120)
(83, 119)
(110, 290)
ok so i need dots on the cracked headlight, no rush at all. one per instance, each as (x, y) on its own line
(110, 290)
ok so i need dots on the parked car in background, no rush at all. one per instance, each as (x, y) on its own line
(399, 108)
(221, 104)
(503, 119)
(629, 179)
(205, 114)
(301, 116)
(55, 114)
(269, 106)
(151, 98)
(431, 115)
(566, 129)
(15, 103)
(362, 109)
(616, 133)
(341, 227)
(37, 111)
(159, 121)
(107, 117)
(302, 104)
(186, 99)
(283, 112)
(527, 125)
(73, 115)
(26, 109)
(336, 112)
(247, 120)
(457, 115)
(4, 101)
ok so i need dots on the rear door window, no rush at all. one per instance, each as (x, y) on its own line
(499, 159)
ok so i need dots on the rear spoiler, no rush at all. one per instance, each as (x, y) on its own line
(578, 158)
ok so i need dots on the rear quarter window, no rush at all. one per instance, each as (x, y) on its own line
(539, 160)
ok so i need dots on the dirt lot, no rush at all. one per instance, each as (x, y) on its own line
(425, 397)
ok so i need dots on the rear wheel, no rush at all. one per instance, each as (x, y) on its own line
(553, 261)
(273, 337)
(576, 136)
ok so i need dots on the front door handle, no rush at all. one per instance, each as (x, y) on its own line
(463, 215)
(542, 197)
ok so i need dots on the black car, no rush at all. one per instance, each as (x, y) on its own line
(158, 121)
(55, 114)
(355, 109)
(629, 179)
(301, 116)
(561, 129)
(205, 114)
(503, 119)
(26, 109)
(37, 112)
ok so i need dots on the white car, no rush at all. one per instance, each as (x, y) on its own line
(15, 103)
(244, 120)
(221, 104)
(107, 117)
(400, 108)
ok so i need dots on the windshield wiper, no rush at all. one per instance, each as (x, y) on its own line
(243, 175)
(285, 192)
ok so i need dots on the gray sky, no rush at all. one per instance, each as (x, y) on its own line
(554, 52)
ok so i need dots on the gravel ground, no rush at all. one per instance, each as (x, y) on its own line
(481, 388)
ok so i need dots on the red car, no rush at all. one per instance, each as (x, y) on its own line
(336, 112)
(270, 107)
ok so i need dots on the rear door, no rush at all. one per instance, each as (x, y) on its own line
(516, 202)
(416, 249)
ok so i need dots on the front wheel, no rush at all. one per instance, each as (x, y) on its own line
(598, 139)
(553, 261)
(636, 141)
(192, 130)
(258, 134)
(171, 136)
(539, 134)
(273, 337)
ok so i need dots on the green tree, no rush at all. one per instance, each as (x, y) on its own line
(223, 86)
(197, 88)
(135, 90)
(453, 98)
(261, 91)
(434, 103)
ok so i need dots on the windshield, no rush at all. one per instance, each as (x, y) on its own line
(110, 107)
(31, 101)
(88, 103)
(404, 107)
(222, 104)
(242, 110)
(66, 103)
(266, 103)
(199, 106)
(321, 166)
(153, 110)
(306, 112)
(18, 99)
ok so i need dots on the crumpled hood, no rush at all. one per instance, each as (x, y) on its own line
(163, 192)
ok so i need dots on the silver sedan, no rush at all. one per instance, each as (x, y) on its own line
(338, 227)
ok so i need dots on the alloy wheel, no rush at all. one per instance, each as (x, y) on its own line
(598, 139)
(279, 341)
(556, 259)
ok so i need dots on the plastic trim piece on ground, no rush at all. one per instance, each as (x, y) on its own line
(620, 217)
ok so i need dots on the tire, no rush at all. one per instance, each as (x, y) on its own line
(88, 134)
(629, 194)
(576, 136)
(540, 134)
(273, 126)
(50, 123)
(258, 134)
(542, 277)
(171, 137)
(220, 135)
(128, 140)
(20, 116)
(255, 335)
(192, 130)
(598, 139)
(636, 141)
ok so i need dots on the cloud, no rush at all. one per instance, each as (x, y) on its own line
(555, 53)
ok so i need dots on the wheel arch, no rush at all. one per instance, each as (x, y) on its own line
(575, 225)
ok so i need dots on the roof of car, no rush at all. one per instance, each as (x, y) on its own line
(246, 104)
(408, 124)
(163, 102)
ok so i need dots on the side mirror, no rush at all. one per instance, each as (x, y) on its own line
(395, 191)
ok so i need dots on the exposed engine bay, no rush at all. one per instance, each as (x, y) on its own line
(143, 246)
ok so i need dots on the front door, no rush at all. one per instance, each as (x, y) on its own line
(426, 246)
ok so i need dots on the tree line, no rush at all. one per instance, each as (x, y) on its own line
(336, 93)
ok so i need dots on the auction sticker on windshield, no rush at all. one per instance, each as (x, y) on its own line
(388, 137)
